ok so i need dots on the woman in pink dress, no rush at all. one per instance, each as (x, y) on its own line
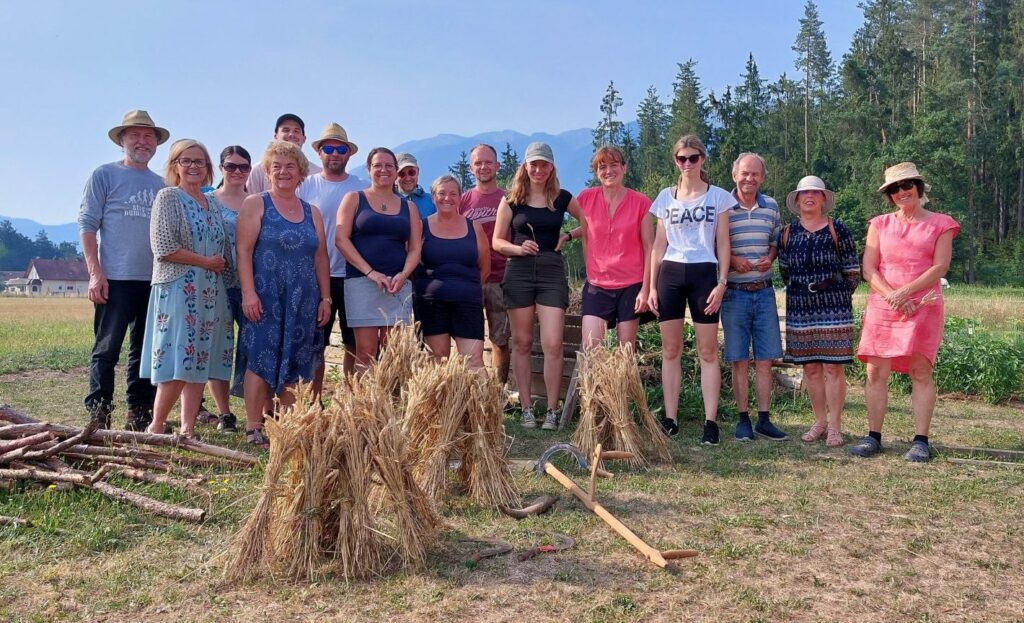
(906, 254)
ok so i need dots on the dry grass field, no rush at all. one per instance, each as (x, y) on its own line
(787, 531)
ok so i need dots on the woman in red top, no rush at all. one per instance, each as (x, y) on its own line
(617, 250)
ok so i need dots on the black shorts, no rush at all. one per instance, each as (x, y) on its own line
(611, 305)
(348, 336)
(682, 284)
(462, 320)
(536, 280)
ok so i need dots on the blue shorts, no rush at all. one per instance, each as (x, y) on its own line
(751, 317)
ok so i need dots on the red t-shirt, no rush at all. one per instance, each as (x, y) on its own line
(483, 209)
(615, 248)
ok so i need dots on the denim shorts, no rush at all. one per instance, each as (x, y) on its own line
(751, 317)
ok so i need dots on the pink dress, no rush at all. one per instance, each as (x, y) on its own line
(906, 250)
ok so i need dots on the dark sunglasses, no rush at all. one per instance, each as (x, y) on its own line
(330, 149)
(231, 167)
(898, 186)
(407, 173)
(693, 159)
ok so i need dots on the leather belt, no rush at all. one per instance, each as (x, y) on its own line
(752, 286)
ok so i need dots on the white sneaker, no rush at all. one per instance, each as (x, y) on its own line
(528, 421)
(550, 420)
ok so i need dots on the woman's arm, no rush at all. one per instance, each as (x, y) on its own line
(647, 240)
(343, 240)
(501, 242)
(483, 252)
(322, 267)
(657, 255)
(723, 249)
(577, 213)
(247, 231)
(940, 266)
(413, 249)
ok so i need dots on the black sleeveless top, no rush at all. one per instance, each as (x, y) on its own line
(539, 223)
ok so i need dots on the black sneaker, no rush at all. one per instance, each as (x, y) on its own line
(710, 436)
(100, 411)
(669, 426)
(139, 419)
(228, 423)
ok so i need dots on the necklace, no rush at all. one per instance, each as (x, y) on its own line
(383, 207)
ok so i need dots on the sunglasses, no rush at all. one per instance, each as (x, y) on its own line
(330, 149)
(692, 159)
(407, 173)
(231, 167)
(898, 186)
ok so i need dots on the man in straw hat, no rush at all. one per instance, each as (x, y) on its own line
(289, 127)
(114, 226)
(325, 190)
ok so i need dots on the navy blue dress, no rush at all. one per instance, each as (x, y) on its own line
(285, 345)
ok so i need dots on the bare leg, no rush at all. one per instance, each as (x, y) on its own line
(552, 327)
(741, 385)
(191, 395)
(440, 346)
(521, 320)
(473, 349)
(710, 369)
(814, 380)
(594, 329)
(367, 341)
(922, 397)
(835, 394)
(500, 357)
(626, 332)
(671, 373)
(167, 394)
(257, 394)
(763, 384)
(221, 397)
(876, 391)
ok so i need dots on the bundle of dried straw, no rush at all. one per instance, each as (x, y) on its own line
(612, 400)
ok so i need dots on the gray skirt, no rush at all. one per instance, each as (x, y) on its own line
(366, 305)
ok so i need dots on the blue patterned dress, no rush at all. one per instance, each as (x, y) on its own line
(285, 345)
(819, 325)
(188, 325)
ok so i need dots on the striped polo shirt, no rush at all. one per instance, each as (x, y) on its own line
(752, 232)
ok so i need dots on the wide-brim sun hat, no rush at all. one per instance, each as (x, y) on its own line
(334, 132)
(539, 151)
(138, 119)
(811, 182)
(900, 172)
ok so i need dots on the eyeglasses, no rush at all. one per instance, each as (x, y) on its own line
(898, 186)
(407, 173)
(330, 149)
(692, 159)
(231, 167)
(188, 163)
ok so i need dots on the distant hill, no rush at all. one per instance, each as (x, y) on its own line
(67, 232)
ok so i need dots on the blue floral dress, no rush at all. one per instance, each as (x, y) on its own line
(286, 344)
(188, 326)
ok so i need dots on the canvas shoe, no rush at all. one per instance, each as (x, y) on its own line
(550, 420)
(669, 426)
(527, 420)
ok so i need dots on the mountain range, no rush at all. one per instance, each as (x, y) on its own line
(573, 150)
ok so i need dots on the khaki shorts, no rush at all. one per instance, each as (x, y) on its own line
(497, 318)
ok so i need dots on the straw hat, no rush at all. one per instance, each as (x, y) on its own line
(900, 172)
(811, 182)
(334, 132)
(138, 119)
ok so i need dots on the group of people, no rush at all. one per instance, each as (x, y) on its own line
(284, 248)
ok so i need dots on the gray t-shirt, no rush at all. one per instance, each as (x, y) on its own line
(327, 195)
(116, 207)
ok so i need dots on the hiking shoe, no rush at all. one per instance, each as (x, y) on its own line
(765, 428)
(138, 419)
(527, 420)
(919, 452)
(866, 447)
(227, 423)
(710, 436)
(744, 430)
(669, 426)
(100, 411)
(550, 420)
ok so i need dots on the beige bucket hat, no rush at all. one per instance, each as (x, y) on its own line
(138, 119)
(900, 172)
(811, 182)
(334, 132)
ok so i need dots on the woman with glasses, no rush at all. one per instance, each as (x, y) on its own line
(692, 236)
(188, 337)
(286, 289)
(907, 252)
(380, 235)
(235, 165)
(535, 281)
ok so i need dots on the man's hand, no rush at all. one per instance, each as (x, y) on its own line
(99, 289)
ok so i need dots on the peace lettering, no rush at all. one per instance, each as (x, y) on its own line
(697, 214)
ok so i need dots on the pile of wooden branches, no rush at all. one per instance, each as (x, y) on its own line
(32, 450)
(613, 405)
(453, 411)
(339, 495)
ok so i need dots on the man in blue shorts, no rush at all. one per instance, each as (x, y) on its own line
(749, 313)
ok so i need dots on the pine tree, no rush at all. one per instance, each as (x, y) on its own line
(509, 166)
(609, 130)
(653, 165)
(814, 60)
(460, 170)
(689, 112)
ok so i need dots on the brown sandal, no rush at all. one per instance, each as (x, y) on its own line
(816, 432)
(257, 438)
(835, 438)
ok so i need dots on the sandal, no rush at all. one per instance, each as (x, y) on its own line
(816, 432)
(203, 416)
(257, 438)
(835, 438)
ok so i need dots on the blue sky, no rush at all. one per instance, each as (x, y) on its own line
(221, 71)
